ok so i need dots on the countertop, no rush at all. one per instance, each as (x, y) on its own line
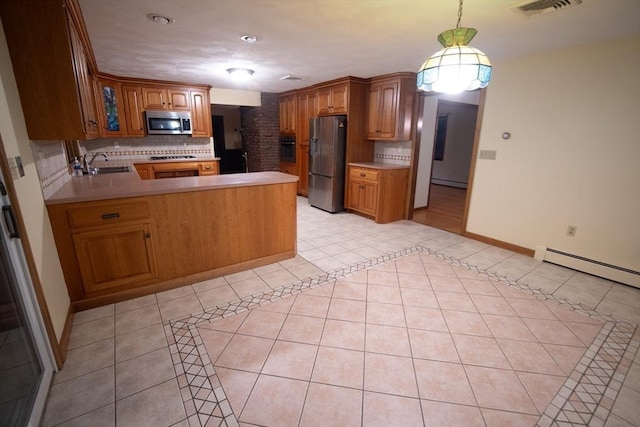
(129, 184)
(378, 165)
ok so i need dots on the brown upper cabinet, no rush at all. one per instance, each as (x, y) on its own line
(307, 108)
(200, 113)
(111, 111)
(51, 64)
(288, 114)
(157, 98)
(333, 99)
(133, 109)
(62, 91)
(391, 105)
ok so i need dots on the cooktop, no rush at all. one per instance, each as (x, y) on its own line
(171, 157)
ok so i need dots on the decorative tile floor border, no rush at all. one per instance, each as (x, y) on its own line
(586, 398)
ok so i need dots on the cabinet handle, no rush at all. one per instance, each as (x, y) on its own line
(147, 235)
(363, 175)
(207, 167)
(111, 215)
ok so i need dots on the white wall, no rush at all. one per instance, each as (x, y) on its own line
(574, 154)
(427, 139)
(36, 220)
(246, 98)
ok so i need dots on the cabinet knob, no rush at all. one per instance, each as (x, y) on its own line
(147, 235)
(363, 175)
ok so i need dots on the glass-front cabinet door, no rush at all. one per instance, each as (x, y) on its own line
(111, 114)
(26, 364)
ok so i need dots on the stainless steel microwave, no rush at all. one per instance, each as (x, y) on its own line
(163, 122)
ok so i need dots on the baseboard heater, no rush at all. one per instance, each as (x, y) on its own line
(591, 266)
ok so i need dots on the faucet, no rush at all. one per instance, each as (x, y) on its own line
(87, 167)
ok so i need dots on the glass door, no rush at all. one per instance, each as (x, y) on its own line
(26, 363)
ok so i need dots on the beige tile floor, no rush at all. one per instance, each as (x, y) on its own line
(120, 371)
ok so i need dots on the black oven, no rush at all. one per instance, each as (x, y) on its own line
(288, 148)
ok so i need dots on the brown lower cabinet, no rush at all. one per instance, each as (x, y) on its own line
(112, 250)
(380, 193)
(177, 169)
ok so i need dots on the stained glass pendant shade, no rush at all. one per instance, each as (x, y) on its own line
(457, 67)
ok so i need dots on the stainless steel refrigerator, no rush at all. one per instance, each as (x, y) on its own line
(327, 144)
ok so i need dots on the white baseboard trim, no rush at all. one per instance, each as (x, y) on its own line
(597, 268)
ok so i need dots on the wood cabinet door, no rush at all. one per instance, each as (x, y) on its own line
(282, 109)
(339, 99)
(303, 161)
(307, 108)
(200, 113)
(291, 113)
(178, 99)
(154, 98)
(115, 256)
(111, 109)
(388, 110)
(369, 197)
(145, 171)
(133, 110)
(353, 195)
(383, 111)
(85, 84)
(324, 100)
(287, 107)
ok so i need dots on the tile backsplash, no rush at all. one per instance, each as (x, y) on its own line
(398, 153)
(126, 150)
(54, 171)
(51, 163)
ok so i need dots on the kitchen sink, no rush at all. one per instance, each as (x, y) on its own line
(109, 169)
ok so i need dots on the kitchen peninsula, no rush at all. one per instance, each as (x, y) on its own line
(120, 237)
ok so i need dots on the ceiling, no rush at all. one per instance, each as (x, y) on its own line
(319, 40)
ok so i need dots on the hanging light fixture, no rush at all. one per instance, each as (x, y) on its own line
(457, 67)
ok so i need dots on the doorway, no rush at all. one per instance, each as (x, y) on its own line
(444, 170)
(227, 138)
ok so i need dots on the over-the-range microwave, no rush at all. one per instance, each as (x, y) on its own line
(162, 122)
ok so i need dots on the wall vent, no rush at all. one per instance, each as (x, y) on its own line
(529, 9)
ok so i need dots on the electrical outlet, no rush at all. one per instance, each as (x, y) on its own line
(487, 154)
(571, 230)
(116, 144)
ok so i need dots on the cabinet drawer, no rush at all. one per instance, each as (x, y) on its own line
(107, 214)
(208, 168)
(359, 173)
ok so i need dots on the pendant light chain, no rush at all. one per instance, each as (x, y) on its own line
(459, 14)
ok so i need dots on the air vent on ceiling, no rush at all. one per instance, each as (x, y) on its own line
(290, 77)
(533, 8)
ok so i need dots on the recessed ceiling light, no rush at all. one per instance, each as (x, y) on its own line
(249, 38)
(240, 74)
(290, 77)
(160, 19)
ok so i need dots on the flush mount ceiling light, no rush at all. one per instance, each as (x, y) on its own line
(458, 67)
(240, 74)
(249, 38)
(160, 19)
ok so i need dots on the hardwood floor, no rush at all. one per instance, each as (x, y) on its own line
(446, 208)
